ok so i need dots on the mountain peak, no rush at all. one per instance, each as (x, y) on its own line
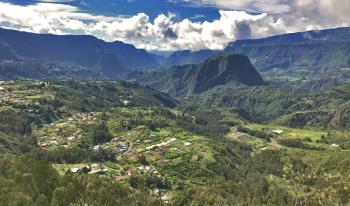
(181, 81)
(225, 68)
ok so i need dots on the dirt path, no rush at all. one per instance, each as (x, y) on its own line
(275, 144)
(127, 151)
(272, 145)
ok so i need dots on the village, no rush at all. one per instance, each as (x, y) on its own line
(66, 132)
(12, 92)
(5, 94)
(159, 147)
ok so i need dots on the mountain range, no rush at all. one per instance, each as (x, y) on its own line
(311, 55)
(109, 58)
(308, 55)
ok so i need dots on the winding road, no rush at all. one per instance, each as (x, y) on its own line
(127, 151)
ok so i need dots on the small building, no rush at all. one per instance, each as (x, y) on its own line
(75, 170)
(43, 144)
(151, 147)
(54, 142)
(97, 147)
(126, 102)
(71, 138)
(99, 171)
(278, 132)
(335, 145)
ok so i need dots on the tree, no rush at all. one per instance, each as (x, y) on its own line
(101, 134)
(142, 159)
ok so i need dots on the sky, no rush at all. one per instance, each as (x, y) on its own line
(171, 25)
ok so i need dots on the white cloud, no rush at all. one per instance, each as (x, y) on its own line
(164, 33)
(56, 1)
(270, 6)
(336, 8)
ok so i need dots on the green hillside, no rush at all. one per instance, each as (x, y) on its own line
(324, 109)
(116, 143)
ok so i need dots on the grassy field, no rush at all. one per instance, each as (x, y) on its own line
(288, 132)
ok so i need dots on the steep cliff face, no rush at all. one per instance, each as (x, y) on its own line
(222, 69)
(195, 79)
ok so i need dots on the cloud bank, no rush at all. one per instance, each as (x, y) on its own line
(164, 33)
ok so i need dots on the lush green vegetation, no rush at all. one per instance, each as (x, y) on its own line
(41, 69)
(27, 181)
(123, 144)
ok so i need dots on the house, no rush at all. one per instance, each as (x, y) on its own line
(84, 169)
(335, 145)
(99, 171)
(54, 142)
(96, 147)
(278, 132)
(43, 144)
(151, 147)
(126, 102)
(147, 141)
(147, 168)
(163, 144)
(75, 170)
(71, 138)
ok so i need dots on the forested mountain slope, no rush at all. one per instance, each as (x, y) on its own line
(195, 79)
(324, 109)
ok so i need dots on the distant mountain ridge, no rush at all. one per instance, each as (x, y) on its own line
(184, 57)
(193, 79)
(328, 35)
(110, 58)
(311, 54)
